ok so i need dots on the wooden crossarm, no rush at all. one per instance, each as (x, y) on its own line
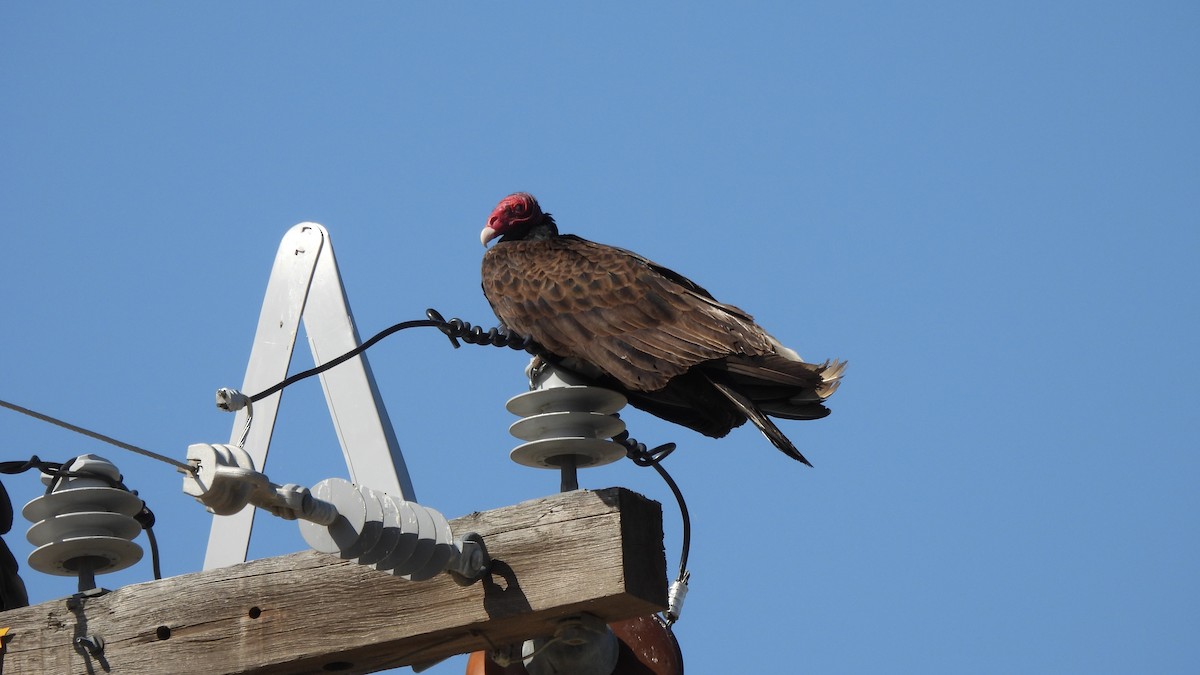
(584, 551)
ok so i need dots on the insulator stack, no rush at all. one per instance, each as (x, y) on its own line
(84, 526)
(336, 516)
(567, 424)
(382, 531)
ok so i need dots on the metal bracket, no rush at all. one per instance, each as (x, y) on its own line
(305, 283)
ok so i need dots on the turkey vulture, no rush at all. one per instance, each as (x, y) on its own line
(638, 328)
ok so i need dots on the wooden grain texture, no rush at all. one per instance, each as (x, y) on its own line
(599, 552)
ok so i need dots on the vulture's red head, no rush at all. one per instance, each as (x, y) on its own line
(514, 217)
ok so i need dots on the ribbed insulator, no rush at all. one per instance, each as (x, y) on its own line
(84, 526)
(377, 529)
(565, 420)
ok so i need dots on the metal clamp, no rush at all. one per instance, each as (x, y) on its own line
(225, 482)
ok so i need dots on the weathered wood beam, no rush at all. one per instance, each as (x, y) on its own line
(599, 552)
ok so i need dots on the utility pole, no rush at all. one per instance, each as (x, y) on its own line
(594, 552)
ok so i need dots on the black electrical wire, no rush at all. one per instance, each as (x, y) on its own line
(455, 329)
(687, 521)
(155, 563)
(52, 469)
(638, 453)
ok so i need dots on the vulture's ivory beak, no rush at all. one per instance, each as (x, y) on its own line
(487, 235)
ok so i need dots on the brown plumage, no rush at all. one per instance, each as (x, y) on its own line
(641, 329)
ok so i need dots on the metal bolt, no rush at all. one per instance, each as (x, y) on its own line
(94, 644)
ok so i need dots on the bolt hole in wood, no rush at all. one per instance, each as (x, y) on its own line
(163, 633)
(255, 612)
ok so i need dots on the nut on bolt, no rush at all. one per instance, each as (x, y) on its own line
(472, 562)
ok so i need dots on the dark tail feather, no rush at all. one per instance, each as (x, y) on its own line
(761, 421)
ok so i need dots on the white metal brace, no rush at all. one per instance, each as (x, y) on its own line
(305, 283)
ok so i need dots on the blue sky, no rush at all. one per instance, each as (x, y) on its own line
(989, 209)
